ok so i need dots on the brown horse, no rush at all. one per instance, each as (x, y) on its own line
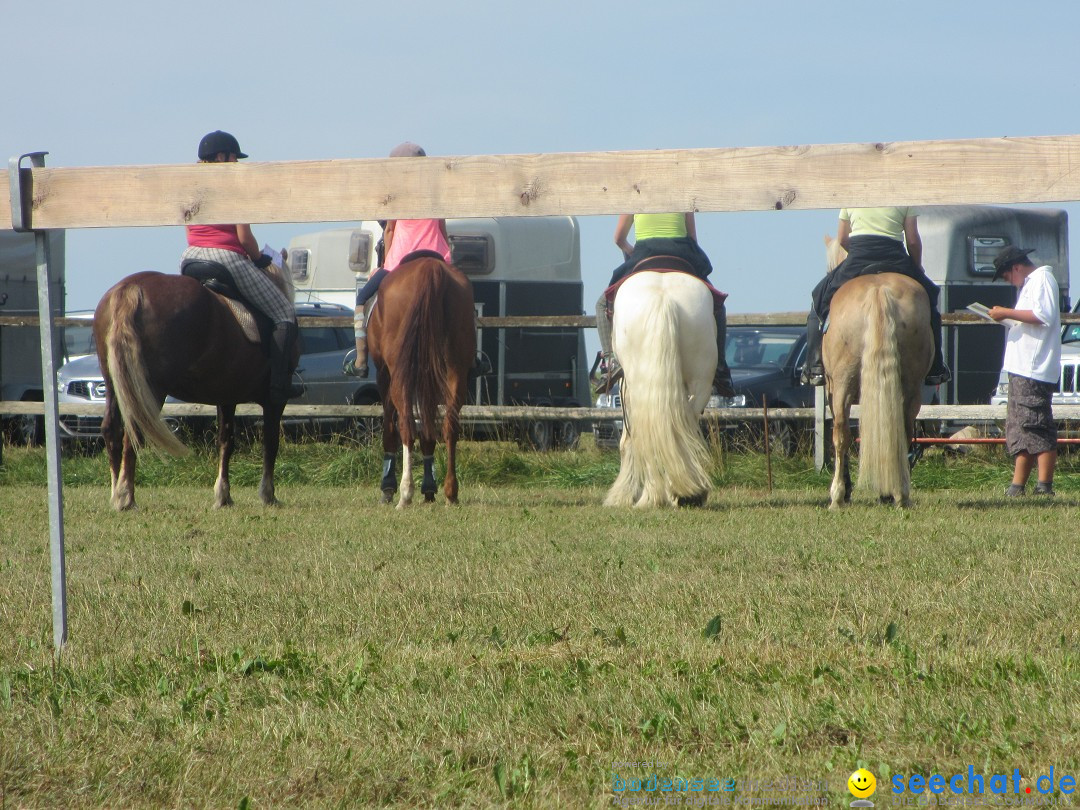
(162, 335)
(877, 350)
(422, 340)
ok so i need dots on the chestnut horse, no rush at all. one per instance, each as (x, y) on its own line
(422, 340)
(162, 335)
(877, 350)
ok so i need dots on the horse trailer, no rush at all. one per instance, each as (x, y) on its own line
(519, 266)
(959, 246)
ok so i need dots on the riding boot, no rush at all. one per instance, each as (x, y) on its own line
(611, 372)
(813, 372)
(282, 388)
(939, 373)
(722, 384)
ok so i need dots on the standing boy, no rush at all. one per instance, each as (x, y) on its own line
(1033, 362)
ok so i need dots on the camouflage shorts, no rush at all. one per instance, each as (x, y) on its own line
(1029, 421)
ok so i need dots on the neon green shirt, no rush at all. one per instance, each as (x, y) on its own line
(655, 226)
(877, 221)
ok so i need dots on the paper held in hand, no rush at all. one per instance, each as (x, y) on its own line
(984, 312)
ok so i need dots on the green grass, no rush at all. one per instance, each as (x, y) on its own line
(331, 652)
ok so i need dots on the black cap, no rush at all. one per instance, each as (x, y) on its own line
(218, 141)
(1009, 256)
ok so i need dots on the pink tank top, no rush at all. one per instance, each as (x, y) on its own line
(215, 236)
(416, 234)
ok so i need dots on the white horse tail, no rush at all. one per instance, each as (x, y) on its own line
(883, 453)
(664, 456)
(126, 371)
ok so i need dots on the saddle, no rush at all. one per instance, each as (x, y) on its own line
(663, 264)
(218, 280)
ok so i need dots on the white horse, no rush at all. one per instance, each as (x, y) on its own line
(664, 334)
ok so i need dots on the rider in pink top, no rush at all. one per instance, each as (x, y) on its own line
(403, 236)
(400, 238)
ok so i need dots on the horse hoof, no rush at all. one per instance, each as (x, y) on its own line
(885, 500)
(429, 497)
(692, 500)
(387, 496)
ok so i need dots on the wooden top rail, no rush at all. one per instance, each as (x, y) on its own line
(566, 321)
(1038, 169)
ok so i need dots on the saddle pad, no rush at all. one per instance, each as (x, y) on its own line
(244, 318)
(609, 293)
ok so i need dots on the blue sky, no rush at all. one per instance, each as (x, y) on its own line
(115, 83)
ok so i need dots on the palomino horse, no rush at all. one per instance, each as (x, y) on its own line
(664, 334)
(877, 350)
(162, 335)
(422, 340)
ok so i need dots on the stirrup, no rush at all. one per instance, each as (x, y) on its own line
(938, 376)
(609, 380)
(722, 384)
(812, 376)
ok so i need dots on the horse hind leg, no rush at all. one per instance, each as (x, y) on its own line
(222, 495)
(406, 495)
(428, 486)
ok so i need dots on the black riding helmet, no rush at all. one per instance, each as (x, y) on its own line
(218, 141)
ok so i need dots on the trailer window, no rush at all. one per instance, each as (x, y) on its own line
(298, 263)
(472, 255)
(983, 251)
(359, 252)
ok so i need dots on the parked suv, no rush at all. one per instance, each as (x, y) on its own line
(765, 363)
(323, 350)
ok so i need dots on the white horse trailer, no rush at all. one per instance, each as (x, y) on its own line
(959, 246)
(519, 266)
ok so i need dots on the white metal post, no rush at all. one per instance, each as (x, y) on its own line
(19, 187)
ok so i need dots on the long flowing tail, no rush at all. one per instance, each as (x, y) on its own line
(125, 367)
(664, 456)
(421, 373)
(883, 462)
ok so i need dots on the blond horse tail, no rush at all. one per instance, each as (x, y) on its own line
(883, 453)
(664, 456)
(125, 367)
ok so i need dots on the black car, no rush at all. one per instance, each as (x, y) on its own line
(765, 365)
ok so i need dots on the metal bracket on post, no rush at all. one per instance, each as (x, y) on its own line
(20, 186)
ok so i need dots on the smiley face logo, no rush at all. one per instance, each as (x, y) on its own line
(862, 784)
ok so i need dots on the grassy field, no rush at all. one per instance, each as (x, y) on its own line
(519, 649)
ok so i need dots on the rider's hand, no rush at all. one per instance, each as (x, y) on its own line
(262, 262)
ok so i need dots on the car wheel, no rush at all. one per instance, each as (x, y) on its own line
(567, 434)
(539, 435)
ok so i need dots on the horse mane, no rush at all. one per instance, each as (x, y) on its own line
(834, 253)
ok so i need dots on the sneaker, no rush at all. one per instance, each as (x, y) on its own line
(1044, 489)
(1014, 491)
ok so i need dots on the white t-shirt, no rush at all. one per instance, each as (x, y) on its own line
(1034, 351)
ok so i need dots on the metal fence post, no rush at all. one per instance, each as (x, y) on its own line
(819, 428)
(20, 221)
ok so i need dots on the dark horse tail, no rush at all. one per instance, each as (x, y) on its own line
(421, 377)
(125, 368)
